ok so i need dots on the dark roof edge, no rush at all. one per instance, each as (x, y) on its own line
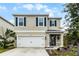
(6, 20)
(55, 18)
(30, 14)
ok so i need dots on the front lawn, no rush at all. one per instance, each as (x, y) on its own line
(70, 52)
(3, 50)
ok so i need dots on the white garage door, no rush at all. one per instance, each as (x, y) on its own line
(31, 42)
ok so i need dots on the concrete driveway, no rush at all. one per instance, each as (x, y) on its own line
(25, 52)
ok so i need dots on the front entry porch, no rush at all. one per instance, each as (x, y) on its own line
(54, 39)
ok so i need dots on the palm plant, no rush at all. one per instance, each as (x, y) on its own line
(6, 35)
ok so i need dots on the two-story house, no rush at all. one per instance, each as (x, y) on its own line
(38, 30)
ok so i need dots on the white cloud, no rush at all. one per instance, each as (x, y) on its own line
(3, 8)
(37, 7)
(45, 9)
(14, 8)
(51, 14)
(49, 11)
(28, 6)
(40, 6)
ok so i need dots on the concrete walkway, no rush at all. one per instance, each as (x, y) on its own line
(25, 52)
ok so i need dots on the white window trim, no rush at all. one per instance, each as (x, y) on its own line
(54, 23)
(18, 20)
(38, 21)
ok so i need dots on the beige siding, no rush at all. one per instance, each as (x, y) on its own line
(30, 33)
(31, 24)
(54, 28)
(58, 23)
(4, 25)
(58, 27)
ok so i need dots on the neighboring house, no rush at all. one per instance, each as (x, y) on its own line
(38, 30)
(4, 24)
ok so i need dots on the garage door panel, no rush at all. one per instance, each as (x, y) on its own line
(31, 42)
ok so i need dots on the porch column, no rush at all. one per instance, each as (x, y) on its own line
(61, 45)
(47, 40)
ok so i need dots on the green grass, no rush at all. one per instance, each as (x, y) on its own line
(71, 52)
(3, 50)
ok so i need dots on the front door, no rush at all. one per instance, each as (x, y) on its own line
(52, 40)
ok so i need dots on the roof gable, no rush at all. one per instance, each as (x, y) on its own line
(6, 21)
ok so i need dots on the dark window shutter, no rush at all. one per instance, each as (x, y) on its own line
(24, 21)
(50, 23)
(45, 21)
(36, 21)
(55, 23)
(16, 22)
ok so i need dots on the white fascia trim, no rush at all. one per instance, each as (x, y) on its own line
(30, 31)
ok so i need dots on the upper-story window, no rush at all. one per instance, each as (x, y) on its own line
(41, 21)
(20, 21)
(53, 23)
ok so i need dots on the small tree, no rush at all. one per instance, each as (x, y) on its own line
(72, 19)
(1, 44)
(8, 33)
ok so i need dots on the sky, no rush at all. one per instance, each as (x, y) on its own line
(53, 9)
